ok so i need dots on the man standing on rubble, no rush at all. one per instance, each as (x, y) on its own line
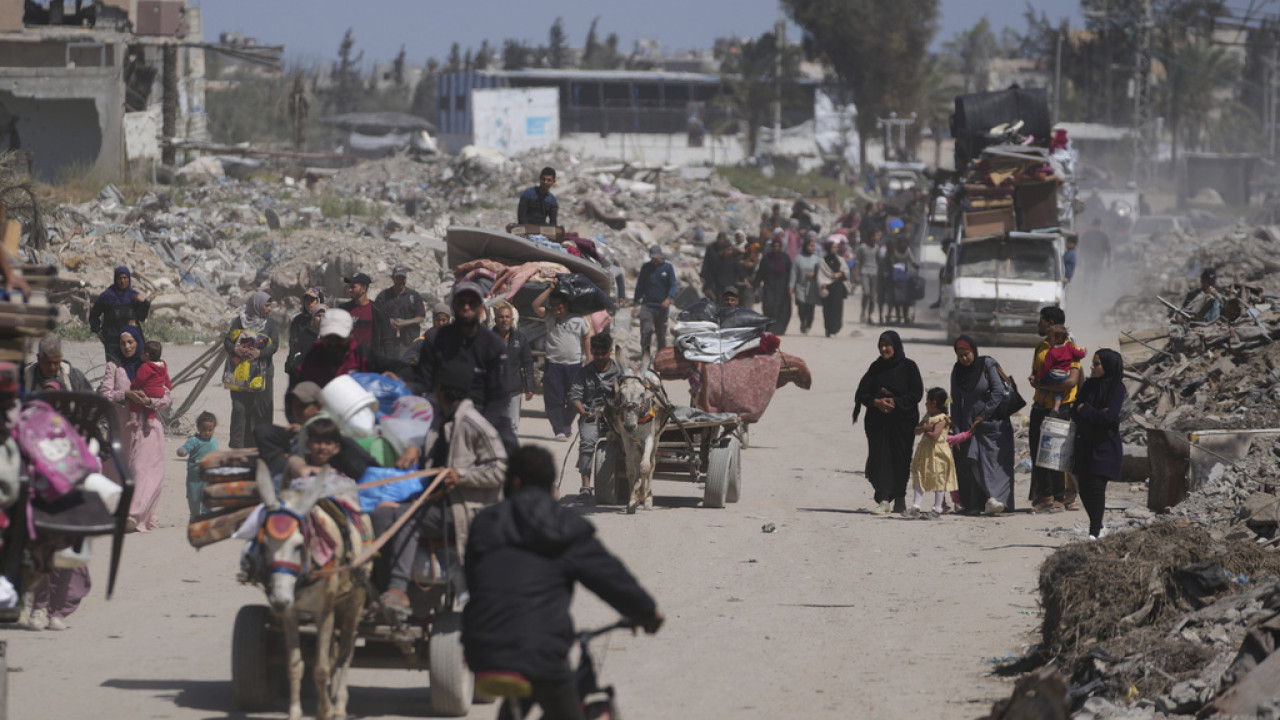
(371, 327)
(1204, 304)
(656, 289)
(537, 205)
(1050, 491)
(404, 309)
(467, 343)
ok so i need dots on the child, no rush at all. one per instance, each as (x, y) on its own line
(194, 450)
(1058, 360)
(153, 375)
(324, 440)
(932, 468)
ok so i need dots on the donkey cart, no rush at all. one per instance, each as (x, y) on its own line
(697, 451)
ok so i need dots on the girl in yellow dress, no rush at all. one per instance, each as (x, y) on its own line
(932, 468)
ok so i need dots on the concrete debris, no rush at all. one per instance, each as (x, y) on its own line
(199, 250)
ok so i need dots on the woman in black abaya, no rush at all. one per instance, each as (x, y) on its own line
(890, 391)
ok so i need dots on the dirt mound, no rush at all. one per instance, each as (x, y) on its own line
(1113, 600)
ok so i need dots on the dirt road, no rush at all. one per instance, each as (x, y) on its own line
(838, 614)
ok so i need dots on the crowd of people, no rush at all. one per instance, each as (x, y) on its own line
(966, 456)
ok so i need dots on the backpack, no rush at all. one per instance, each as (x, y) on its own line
(1013, 400)
(57, 455)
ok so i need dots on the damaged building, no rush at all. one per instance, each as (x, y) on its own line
(98, 84)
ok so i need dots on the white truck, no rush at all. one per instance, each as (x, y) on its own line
(994, 287)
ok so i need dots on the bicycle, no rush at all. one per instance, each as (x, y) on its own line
(515, 691)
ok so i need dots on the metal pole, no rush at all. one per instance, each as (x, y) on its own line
(1057, 82)
(781, 42)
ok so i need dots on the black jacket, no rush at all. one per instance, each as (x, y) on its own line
(487, 355)
(518, 369)
(524, 556)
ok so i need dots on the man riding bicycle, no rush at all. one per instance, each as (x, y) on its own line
(524, 556)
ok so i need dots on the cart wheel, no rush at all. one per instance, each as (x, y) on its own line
(257, 660)
(609, 479)
(452, 684)
(734, 491)
(721, 465)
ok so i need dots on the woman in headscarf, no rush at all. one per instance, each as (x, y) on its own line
(303, 331)
(984, 462)
(1099, 448)
(834, 287)
(773, 277)
(804, 283)
(144, 436)
(250, 344)
(890, 391)
(117, 306)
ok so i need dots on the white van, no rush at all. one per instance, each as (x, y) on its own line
(993, 288)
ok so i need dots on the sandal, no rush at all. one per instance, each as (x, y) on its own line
(395, 605)
(1041, 507)
(1056, 508)
(932, 515)
(1072, 506)
(911, 513)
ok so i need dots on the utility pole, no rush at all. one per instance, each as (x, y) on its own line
(780, 32)
(1141, 90)
(1057, 81)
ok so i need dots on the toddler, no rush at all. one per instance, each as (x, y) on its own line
(153, 375)
(1058, 361)
(195, 450)
(932, 468)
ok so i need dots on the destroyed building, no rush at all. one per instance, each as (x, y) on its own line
(98, 86)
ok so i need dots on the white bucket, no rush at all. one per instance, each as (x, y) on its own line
(353, 406)
(1057, 444)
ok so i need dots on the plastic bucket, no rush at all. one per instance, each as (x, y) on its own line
(353, 406)
(1057, 444)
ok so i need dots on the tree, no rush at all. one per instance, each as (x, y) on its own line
(877, 49)
(468, 64)
(346, 75)
(515, 55)
(397, 67)
(425, 101)
(591, 48)
(557, 45)
(973, 50)
(1197, 69)
(750, 74)
(454, 63)
(484, 57)
(939, 101)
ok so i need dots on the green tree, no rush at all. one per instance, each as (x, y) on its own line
(515, 55)
(877, 49)
(591, 48)
(346, 92)
(973, 50)
(1197, 70)
(425, 102)
(557, 45)
(750, 74)
(939, 101)
(397, 67)
(484, 57)
(468, 63)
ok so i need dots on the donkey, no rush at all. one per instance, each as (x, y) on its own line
(333, 595)
(638, 415)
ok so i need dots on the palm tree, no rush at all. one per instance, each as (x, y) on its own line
(1198, 69)
(752, 83)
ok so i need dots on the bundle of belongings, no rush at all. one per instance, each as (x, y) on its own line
(378, 418)
(520, 284)
(730, 360)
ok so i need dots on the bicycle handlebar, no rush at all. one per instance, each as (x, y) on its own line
(623, 624)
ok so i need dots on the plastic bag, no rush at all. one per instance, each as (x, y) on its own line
(396, 492)
(743, 317)
(704, 310)
(384, 388)
(413, 407)
(584, 297)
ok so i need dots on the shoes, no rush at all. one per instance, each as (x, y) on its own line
(561, 437)
(883, 508)
(932, 515)
(993, 507)
(39, 619)
(130, 525)
(1056, 507)
(395, 605)
(586, 494)
(912, 513)
(57, 624)
(1071, 506)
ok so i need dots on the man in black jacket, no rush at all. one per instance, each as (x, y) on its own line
(518, 370)
(524, 556)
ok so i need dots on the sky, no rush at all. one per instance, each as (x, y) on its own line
(312, 29)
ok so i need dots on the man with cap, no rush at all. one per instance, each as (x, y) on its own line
(467, 342)
(729, 298)
(50, 368)
(537, 205)
(336, 353)
(303, 332)
(467, 445)
(371, 326)
(656, 289)
(404, 309)
(1204, 304)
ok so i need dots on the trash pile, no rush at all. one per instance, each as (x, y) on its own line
(198, 249)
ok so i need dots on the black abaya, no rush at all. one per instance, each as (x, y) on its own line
(891, 435)
(773, 277)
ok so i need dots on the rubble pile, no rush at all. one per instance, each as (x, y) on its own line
(200, 248)
(1158, 616)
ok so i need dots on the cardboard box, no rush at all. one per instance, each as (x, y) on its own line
(986, 223)
(162, 17)
(1037, 205)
